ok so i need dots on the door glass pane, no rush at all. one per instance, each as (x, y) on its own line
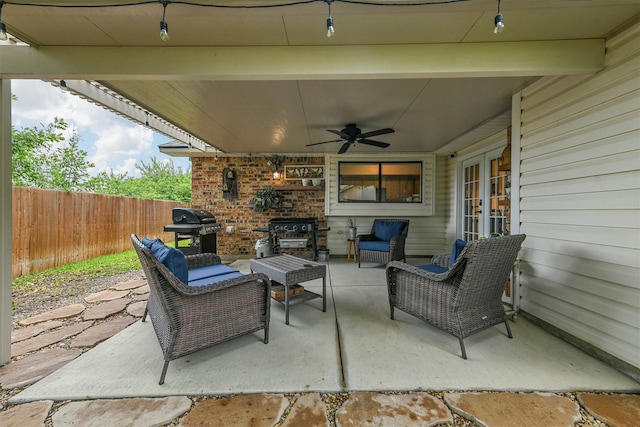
(499, 203)
(472, 202)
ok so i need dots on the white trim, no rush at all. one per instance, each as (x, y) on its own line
(110, 100)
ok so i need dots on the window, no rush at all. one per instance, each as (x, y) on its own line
(380, 182)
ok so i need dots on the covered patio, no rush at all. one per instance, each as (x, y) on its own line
(354, 346)
(237, 83)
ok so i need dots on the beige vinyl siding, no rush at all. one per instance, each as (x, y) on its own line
(428, 222)
(580, 201)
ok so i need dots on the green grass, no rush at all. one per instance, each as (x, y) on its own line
(58, 281)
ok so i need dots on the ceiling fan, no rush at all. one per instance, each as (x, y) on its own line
(352, 134)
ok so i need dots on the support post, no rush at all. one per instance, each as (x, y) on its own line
(5, 221)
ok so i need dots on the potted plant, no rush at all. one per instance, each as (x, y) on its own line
(265, 199)
(353, 229)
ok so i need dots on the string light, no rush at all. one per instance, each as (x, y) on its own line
(164, 27)
(3, 29)
(330, 30)
(63, 86)
(498, 21)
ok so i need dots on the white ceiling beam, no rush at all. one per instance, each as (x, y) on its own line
(507, 59)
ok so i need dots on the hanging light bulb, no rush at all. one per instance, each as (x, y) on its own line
(498, 21)
(330, 30)
(3, 29)
(146, 123)
(164, 27)
(63, 86)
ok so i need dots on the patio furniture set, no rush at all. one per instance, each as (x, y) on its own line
(196, 301)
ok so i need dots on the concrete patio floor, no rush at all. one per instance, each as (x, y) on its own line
(354, 346)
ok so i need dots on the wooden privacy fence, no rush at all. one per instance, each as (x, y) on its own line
(53, 228)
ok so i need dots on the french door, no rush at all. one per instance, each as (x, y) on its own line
(485, 202)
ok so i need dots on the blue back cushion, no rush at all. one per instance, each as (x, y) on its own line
(458, 247)
(386, 230)
(172, 258)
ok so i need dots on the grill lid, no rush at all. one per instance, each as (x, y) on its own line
(192, 216)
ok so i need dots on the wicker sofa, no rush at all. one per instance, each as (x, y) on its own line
(466, 298)
(384, 243)
(187, 318)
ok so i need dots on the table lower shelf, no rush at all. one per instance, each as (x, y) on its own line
(303, 297)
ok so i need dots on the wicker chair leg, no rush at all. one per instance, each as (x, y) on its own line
(164, 372)
(464, 352)
(146, 311)
(506, 322)
(266, 335)
(391, 310)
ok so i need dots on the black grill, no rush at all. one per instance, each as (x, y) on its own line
(195, 226)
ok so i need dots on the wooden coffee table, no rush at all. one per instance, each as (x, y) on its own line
(290, 270)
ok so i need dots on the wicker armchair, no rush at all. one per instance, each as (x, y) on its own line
(187, 319)
(375, 247)
(463, 300)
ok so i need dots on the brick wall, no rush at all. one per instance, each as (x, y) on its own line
(252, 174)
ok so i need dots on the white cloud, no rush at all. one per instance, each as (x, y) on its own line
(119, 147)
(111, 141)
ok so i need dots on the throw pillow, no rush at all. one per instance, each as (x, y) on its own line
(172, 258)
(458, 247)
(148, 242)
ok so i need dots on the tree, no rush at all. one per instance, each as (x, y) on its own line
(158, 180)
(43, 158)
(163, 180)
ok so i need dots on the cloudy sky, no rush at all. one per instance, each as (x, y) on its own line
(112, 142)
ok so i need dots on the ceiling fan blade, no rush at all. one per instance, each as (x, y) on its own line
(324, 142)
(376, 133)
(340, 134)
(374, 143)
(344, 148)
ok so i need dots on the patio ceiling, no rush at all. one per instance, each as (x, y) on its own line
(268, 80)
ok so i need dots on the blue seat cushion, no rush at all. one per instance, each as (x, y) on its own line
(213, 279)
(458, 247)
(172, 258)
(434, 268)
(386, 230)
(209, 271)
(375, 245)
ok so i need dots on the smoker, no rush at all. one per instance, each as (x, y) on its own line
(197, 227)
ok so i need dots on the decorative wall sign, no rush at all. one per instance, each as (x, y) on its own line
(304, 172)
(229, 184)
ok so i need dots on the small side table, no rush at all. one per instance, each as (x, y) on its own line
(352, 247)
